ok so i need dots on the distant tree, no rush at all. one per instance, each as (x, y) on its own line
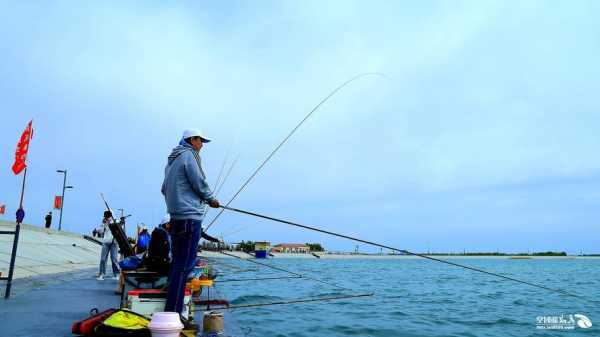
(246, 246)
(212, 246)
(315, 247)
(550, 254)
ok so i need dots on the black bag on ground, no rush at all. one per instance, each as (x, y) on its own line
(158, 256)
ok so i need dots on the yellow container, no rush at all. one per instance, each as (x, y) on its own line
(195, 284)
(192, 287)
(205, 283)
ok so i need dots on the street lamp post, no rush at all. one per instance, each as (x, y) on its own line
(62, 198)
(122, 218)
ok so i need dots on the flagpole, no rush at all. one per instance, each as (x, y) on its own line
(20, 216)
(23, 188)
(13, 256)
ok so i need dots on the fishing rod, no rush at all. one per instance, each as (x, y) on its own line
(288, 137)
(287, 271)
(119, 234)
(403, 251)
(258, 279)
(300, 300)
(109, 209)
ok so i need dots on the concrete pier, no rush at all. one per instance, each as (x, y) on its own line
(46, 251)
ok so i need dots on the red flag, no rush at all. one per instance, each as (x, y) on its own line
(22, 148)
(57, 202)
(2, 209)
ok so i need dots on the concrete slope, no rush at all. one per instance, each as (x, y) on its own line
(46, 251)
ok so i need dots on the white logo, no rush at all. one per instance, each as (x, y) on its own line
(563, 322)
(582, 321)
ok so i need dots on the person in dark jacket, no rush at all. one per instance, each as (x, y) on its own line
(48, 219)
(186, 193)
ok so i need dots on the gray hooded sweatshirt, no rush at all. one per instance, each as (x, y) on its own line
(185, 187)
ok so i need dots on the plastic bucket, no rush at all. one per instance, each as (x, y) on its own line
(212, 323)
(165, 324)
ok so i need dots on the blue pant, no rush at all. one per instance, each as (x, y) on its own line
(109, 248)
(185, 235)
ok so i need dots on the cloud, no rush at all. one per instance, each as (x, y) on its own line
(477, 97)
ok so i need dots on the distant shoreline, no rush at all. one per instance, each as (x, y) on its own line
(341, 256)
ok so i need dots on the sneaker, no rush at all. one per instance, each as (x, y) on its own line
(115, 277)
(100, 278)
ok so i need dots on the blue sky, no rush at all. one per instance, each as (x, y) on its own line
(481, 136)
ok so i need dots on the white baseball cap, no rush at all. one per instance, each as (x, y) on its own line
(195, 133)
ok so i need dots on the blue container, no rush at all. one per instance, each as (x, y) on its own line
(260, 254)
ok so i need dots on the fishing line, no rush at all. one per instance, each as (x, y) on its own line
(287, 271)
(258, 279)
(46, 263)
(233, 231)
(300, 300)
(24, 268)
(216, 188)
(227, 175)
(406, 252)
(286, 139)
(221, 171)
(226, 303)
(215, 260)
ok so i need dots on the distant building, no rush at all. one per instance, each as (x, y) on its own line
(261, 249)
(291, 248)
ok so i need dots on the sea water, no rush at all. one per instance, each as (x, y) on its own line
(414, 297)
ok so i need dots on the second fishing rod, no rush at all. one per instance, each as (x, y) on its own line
(404, 251)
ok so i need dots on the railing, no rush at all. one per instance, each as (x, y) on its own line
(13, 256)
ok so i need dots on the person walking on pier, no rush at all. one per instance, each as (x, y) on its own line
(109, 247)
(186, 192)
(48, 219)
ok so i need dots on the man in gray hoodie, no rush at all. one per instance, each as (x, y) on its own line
(186, 192)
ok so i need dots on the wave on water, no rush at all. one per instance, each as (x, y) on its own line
(427, 300)
(484, 323)
(357, 330)
(328, 294)
(409, 302)
(397, 313)
(251, 299)
(493, 296)
(519, 302)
